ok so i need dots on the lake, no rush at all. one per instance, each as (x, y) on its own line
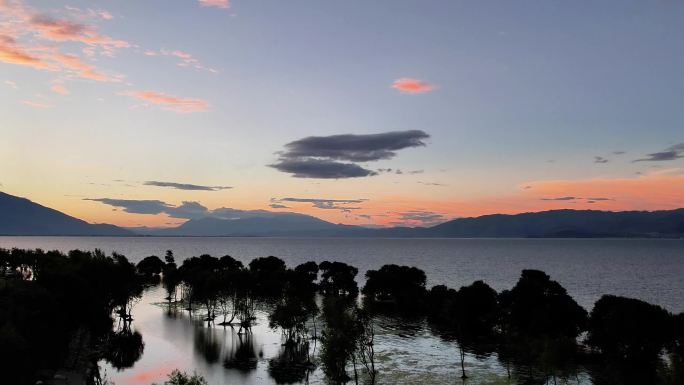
(408, 353)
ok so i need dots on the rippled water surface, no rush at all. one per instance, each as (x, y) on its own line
(408, 353)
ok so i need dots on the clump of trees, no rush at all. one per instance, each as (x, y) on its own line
(629, 329)
(79, 294)
(535, 324)
(402, 287)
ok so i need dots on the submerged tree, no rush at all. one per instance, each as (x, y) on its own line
(338, 278)
(402, 286)
(469, 314)
(291, 315)
(540, 307)
(365, 349)
(629, 329)
(150, 266)
(339, 338)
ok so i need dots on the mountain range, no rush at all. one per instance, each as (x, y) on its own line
(20, 216)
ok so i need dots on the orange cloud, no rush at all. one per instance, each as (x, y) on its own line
(412, 86)
(215, 3)
(35, 104)
(186, 59)
(657, 191)
(59, 88)
(170, 102)
(23, 28)
(83, 70)
(12, 53)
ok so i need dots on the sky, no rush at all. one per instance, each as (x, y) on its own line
(374, 113)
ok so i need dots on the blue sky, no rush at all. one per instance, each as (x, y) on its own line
(522, 92)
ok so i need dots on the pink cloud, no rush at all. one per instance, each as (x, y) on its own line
(412, 86)
(12, 53)
(35, 104)
(83, 70)
(59, 88)
(170, 102)
(24, 28)
(215, 3)
(186, 59)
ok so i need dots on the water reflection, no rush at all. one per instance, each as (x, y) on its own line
(292, 364)
(125, 348)
(408, 351)
(242, 353)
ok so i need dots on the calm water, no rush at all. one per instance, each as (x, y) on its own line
(651, 270)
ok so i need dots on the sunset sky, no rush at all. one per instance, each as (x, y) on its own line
(152, 112)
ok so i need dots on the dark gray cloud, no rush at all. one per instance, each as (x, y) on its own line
(135, 206)
(399, 171)
(186, 210)
(321, 169)
(433, 184)
(619, 152)
(336, 156)
(185, 186)
(355, 148)
(600, 159)
(325, 204)
(568, 198)
(423, 217)
(560, 199)
(278, 206)
(670, 153)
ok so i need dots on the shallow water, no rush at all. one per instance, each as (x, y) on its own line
(407, 352)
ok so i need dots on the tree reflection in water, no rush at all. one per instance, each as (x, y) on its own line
(241, 353)
(124, 348)
(291, 365)
(207, 343)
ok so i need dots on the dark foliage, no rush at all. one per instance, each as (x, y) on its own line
(338, 278)
(540, 307)
(402, 286)
(629, 329)
(76, 293)
(150, 266)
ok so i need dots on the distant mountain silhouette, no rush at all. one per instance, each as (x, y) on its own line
(567, 224)
(268, 225)
(20, 216)
(545, 224)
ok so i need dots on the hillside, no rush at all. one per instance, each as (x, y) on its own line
(20, 216)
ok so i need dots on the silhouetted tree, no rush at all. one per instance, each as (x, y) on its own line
(180, 378)
(402, 286)
(303, 279)
(230, 264)
(629, 329)
(150, 266)
(538, 306)
(291, 315)
(269, 275)
(365, 349)
(339, 338)
(337, 278)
